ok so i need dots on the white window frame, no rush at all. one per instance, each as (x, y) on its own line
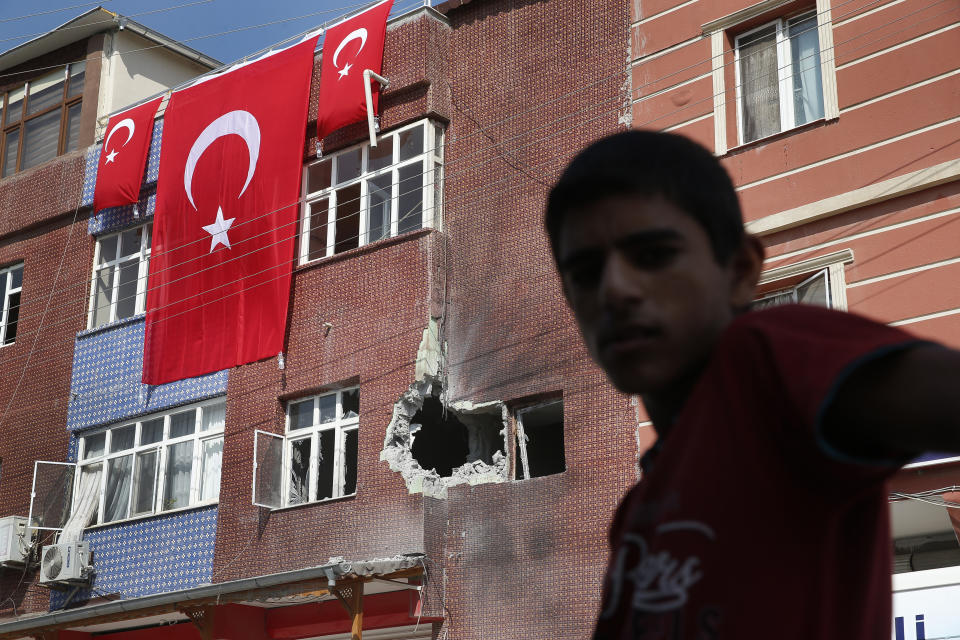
(341, 425)
(785, 87)
(162, 446)
(431, 161)
(114, 264)
(7, 291)
(829, 266)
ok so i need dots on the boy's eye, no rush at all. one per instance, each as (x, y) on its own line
(652, 256)
(583, 273)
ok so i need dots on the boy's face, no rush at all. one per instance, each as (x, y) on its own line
(649, 296)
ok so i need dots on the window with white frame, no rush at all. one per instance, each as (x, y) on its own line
(779, 84)
(364, 194)
(539, 447)
(814, 290)
(41, 119)
(120, 266)
(157, 463)
(11, 282)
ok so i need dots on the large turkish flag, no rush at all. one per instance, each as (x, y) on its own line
(124, 155)
(225, 223)
(349, 47)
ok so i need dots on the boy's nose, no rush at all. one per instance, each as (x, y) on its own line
(621, 285)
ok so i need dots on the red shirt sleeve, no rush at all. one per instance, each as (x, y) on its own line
(811, 352)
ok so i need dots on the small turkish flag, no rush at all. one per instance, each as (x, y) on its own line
(348, 48)
(226, 217)
(124, 155)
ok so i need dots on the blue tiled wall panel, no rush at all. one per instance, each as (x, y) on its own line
(106, 387)
(154, 555)
(116, 218)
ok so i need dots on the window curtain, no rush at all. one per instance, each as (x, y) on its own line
(759, 84)
(176, 491)
(117, 497)
(85, 510)
(212, 461)
(807, 86)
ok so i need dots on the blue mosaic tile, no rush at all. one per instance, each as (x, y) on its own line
(148, 556)
(106, 387)
(116, 218)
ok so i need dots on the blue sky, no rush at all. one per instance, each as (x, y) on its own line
(193, 22)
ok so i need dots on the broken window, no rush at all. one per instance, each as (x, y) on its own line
(444, 438)
(540, 441)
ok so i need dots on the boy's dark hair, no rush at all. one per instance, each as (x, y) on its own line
(649, 163)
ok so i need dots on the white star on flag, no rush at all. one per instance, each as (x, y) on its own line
(111, 156)
(218, 231)
(345, 71)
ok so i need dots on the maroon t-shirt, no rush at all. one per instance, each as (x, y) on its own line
(748, 525)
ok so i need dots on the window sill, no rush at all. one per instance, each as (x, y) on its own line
(112, 325)
(193, 507)
(773, 137)
(367, 248)
(312, 504)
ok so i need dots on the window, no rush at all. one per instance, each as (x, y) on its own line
(11, 281)
(316, 459)
(779, 83)
(813, 290)
(364, 194)
(540, 450)
(119, 286)
(158, 463)
(41, 119)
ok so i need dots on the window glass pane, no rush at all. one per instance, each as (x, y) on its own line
(318, 176)
(411, 143)
(301, 414)
(45, 92)
(183, 424)
(127, 290)
(77, 77)
(814, 291)
(108, 248)
(13, 315)
(350, 462)
(381, 156)
(102, 296)
(144, 482)
(122, 438)
(348, 165)
(299, 471)
(318, 229)
(411, 198)
(210, 469)
(438, 140)
(73, 128)
(94, 446)
(759, 84)
(40, 138)
(151, 431)
(16, 277)
(328, 408)
(91, 478)
(15, 105)
(378, 216)
(130, 242)
(214, 417)
(348, 218)
(176, 489)
(325, 465)
(117, 495)
(11, 145)
(805, 68)
(351, 403)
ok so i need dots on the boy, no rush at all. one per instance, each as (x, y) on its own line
(762, 511)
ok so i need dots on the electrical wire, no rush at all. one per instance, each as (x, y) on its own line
(50, 11)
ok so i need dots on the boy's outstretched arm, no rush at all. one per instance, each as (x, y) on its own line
(898, 406)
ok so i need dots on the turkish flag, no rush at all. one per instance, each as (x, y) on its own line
(124, 155)
(349, 47)
(225, 222)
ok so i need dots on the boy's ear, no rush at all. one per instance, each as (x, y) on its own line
(745, 266)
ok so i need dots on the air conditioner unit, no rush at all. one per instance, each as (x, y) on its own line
(65, 562)
(14, 540)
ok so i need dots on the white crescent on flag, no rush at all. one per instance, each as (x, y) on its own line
(358, 34)
(127, 124)
(240, 123)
